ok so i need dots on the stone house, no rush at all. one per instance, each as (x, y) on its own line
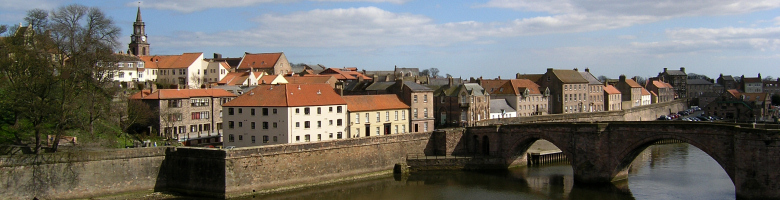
(374, 115)
(270, 63)
(595, 92)
(420, 101)
(678, 79)
(288, 113)
(664, 91)
(525, 96)
(613, 100)
(568, 91)
(752, 84)
(193, 116)
(698, 87)
(727, 82)
(461, 104)
(630, 91)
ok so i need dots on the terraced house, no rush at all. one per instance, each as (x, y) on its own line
(374, 115)
(288, 113)
(568, 90)
(461, 104)
(524, 95)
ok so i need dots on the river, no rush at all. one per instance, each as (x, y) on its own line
(670, 171)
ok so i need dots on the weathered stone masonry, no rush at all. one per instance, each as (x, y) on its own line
(201, 171)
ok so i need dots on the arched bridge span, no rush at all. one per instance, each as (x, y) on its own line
(602, 152)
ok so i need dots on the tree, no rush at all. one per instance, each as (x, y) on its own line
(768, 78)
(425, 72)
(55, 73)
(603, 78)
(434, 72)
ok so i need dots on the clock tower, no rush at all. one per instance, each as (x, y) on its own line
(139, 45)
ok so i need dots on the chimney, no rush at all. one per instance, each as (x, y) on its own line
(400, 83)
(152, 89)
(623, 77)
(499, 78)
(587, 70)
(759, 76)
(664, 69)
(549, 70)
(376, 78)
(517, 76)
(682, 69)
(576, 70)
(217, 55)
(450, 81)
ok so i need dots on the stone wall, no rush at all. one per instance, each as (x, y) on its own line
(203, 171)
(641, 113)
(80, 175)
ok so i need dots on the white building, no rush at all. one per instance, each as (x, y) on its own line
(188, 70)
(499, 108)
(289, 113)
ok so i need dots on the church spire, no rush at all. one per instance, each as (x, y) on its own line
(138, 16)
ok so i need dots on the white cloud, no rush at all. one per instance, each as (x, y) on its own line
(657, 8)
(187, 6)
(627, 37)
(24, 5)
(715, 40)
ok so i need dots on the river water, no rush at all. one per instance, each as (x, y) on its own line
(670, 171)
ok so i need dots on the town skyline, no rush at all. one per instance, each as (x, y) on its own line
(635, 39)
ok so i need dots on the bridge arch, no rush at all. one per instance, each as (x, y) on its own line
(518, 147)
(633, 149)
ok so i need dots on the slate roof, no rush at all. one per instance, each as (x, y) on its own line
(532, 77)
(259, 61)
(416, 87)
(358, 103)
(569, 76)
(288, 95)
(170, 61)
(752, 80)
(496, 105)
(345, 73)
(592, 80)
(180, 94)
(376, 86)
(727, 77)
(698, 82)
(675, 73)
(310, 79)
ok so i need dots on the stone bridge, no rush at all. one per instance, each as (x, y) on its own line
(602, 152)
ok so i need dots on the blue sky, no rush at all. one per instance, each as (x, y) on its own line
(486, 38)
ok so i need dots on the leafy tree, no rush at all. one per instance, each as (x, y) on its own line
(54, 74)
(425, 72)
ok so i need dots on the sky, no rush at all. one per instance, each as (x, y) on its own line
(486, 38)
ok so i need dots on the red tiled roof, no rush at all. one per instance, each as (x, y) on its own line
(288, 95)
(170, 61)
(267, 79)
(345, 73)
(734, 93)
(518, 86)
(234, 78)
(259, 61)
(645, 92)
(374, 102)
(661, 84)
(609, 89)
(181, 93)
(492, 85)
(310, 79)
(632, 83)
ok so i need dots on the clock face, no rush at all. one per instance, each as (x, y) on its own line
(143, 38)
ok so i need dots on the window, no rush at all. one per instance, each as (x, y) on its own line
(330, 135)
(330, 109)
(199, 102)
(121, 74)
(330, 122)
(425, 113)
(357, 118)
(306, 124)
(319, 137)
(265, 125)
(297, 110)
(274, 124)
(193, 128)
(274, 138)
(396, 129)
(377, 131)
(396, 115)
(230, 138)
(307, 137)
(415, 98)
(253, 125)
(253, 139)
(200, 115)
(240, 137)
(387, 116)
(415, 113)
(338, 136)
(239, 110)
(175, 103)
(252, 112)
(297, 124)
(378, 117)
(403, 128)
(319, 124)
(265, 139)
(297, 138)
(425, 98)
(274, 111)
(319, 110)
(338, 122)
(426, 126)
(265, 111)
(338, 109)
(403, 115)
(306, 111)
(240, 124)
(367, 118)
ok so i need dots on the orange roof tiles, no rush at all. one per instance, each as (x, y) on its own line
(492, 85)
(170, 61)
(234, 78)
(259, 61)
(518, 86)
(645, 92)
(181, 94)
(374, 102)
(632, 83)
(268, 79)
(288, 95)
(311, 79)
(609, 89)
(734, 93)
(661, 84)
(345, 73)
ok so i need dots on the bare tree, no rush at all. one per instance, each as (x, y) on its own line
(603, 78)
(434, 72)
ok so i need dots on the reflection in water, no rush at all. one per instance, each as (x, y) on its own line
(673, 171)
